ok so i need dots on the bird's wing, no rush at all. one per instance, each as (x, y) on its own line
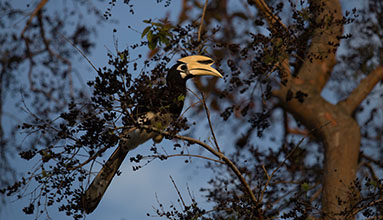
(132, 138)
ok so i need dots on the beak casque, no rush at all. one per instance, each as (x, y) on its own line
(200, 65)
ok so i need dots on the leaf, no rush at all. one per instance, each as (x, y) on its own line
(373, 183)
(157, 24)
(150, 36)
(268, 59)
(44, 173)
(181, 98)
(162, 37)
(148, 21)
(305, 187)
(153, 43)
(145, 31)
(122, 56)
(166, 41)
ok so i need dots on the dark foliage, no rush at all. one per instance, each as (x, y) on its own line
(283, 170)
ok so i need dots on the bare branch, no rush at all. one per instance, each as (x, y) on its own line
(183, 14)
(53, 53)
(370, 204)
(185, 155)
(33, 14)
(271, 18)
(220, 155)
(362, 90)
(274, 20)
(269, 177)
(179, 194)
(81, 52)
(209, 120)
(201, 23)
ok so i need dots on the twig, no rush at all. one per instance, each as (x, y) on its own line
(34, 13)
(203, 101)
(316, 194)
(210, 124)
(80, 51)
(94, 156)
(370, 204)
(190, 194)
(202, 19)
(272, 20)
(53, 53)
(264, 169)
(189, 107)
(276, 169)
(158, 201)
(270, 17)
(227, 161)
(186, 155)
(179, 194)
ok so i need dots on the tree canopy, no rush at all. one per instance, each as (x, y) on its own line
(294, 131)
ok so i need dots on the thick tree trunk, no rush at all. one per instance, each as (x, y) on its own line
(340, 136)
(341, 141)
(332, 125)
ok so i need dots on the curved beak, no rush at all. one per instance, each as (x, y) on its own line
(199, 65)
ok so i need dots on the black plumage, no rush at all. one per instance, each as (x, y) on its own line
(157, 108)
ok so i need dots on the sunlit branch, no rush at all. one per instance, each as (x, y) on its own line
(186, 155)
(33, 14)
(210, 124)
(370, 204)
(274, 20)
(53, 53)
(271, 18)
(202, 19)
(362, 90)
(220, 155)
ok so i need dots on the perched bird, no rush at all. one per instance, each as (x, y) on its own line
(157, 110)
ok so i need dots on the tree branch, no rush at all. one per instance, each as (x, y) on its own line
(201, 23)
(178, 192)
(274, 20)
(269, 177)
(185, 155)
(33, 14)
(370, 204)
(220, 155)
(362, 90)
(271, 18)
(320, 57)
(209, 120)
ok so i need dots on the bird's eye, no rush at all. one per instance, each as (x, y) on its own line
(183, 67)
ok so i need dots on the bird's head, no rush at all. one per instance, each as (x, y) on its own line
(191, 66)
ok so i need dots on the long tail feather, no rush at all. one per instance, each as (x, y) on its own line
(97, 188)
(100, 183)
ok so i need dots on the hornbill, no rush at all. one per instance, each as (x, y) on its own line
(156, 110)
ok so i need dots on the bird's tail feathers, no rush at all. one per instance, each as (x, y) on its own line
(94, 193)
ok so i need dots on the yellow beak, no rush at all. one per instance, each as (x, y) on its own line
(198, 65)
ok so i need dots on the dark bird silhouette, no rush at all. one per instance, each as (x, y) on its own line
(157, 110)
